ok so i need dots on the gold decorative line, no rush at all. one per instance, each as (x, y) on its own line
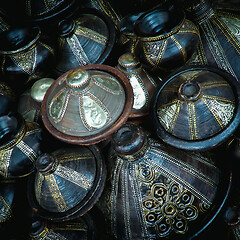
(74, 157)
(161, 52)
(134, 44)
(175, 116)
(74, 177)
(151, 39)
(216, 98)
(216, 48)
(175, 101)
(92, 35)
(169, 174)
(48, 47)
(225, 31)
(70, 226)
(107, 11)
(192, 121)
(56, 193)
(114, 193)
(125, 196)
(5, 157)
(5, 210)
(204, 17)
(180, 47)
(184, 165)
(3, 62)
(28, 151)
(201, 53)
(18, 138)
(137, 198)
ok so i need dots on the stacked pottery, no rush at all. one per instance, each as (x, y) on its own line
(160, 192)
(219, 36)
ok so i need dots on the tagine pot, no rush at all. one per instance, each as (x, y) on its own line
(20, 145)
(67, 183)
(87, 39)
(166, 39)
(159, 191)
(197, 108)
(143, 84)
(86, 105)
(219, 36)
(25, 56)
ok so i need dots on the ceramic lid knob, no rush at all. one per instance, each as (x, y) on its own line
(40, 87)
(128, 60)
(190, 91)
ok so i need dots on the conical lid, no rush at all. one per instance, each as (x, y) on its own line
(177, 193)
(87, 104)
(67, 182)
(197, 108)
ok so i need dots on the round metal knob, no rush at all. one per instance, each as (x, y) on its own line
(190, 91)
(77, 78)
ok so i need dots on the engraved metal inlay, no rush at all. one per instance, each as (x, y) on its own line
(74, 177)
(188, 27)
(169, 208)
(56, 193)
(58, 106)
(51, 235)
(93, 35)
(5, 210)
(233, 25)
(190, 75)
(216, 48)
(26, 60)
(5, 157)
(93, 113)
(168, 114)
(140, 97)
(154, 51)
(180, 47)
(108, 83)
(78, 50)
(28, 151)
(192, 121)
(38, 186)
(222, 111)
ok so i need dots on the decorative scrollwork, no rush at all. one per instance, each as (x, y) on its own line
(169, 208)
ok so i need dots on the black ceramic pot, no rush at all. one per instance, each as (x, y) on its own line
(19, 146)
(166, 39)
(25, 56)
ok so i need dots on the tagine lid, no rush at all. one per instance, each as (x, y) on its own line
(67, 182)
(197, 108)
(87, 104)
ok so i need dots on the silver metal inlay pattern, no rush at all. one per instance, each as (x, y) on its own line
(216, 48)
(77, 50)
(54, 236)
(140, 98)
(26, 60)
(233, 25)
(93, 113)
(222, 111)
(5, 210)
(166, 115)
(28, 151)
(74, 177)
(5, 157)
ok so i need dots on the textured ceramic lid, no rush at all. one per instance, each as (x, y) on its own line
(67, 182)
(197, 108)
(87, 104)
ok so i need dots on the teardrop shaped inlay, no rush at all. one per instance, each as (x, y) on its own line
(93, 113)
